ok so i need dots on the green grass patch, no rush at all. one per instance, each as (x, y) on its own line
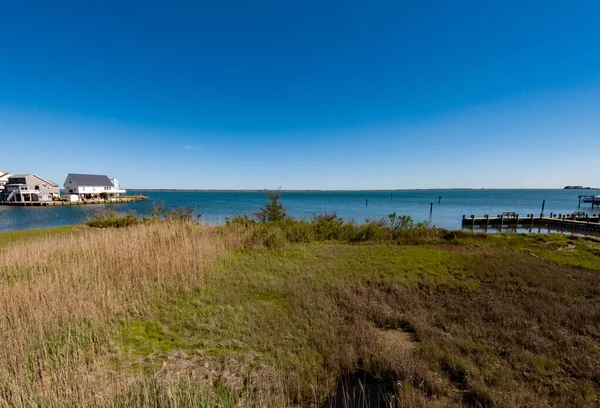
(560, 248)
(13, 237)
(490, 319)
(147, 338)
(279, 307)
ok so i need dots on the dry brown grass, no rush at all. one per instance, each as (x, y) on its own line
(60, 298)
(180, 314)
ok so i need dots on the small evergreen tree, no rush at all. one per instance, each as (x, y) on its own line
(273, 210)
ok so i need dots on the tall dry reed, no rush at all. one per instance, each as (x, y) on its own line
(60, 299)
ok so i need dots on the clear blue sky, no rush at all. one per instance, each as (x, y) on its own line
(303, 94)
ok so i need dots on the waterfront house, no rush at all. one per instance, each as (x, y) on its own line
(4, 175)
(29, 187)
(91, 187)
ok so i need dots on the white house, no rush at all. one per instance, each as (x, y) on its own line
(4, 175)
(91, 186)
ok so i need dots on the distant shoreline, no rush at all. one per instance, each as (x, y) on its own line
(175, 190)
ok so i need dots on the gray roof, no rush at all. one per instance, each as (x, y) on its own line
(90, 180)
(35, 175)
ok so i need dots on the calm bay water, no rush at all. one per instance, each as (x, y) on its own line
(216, 206)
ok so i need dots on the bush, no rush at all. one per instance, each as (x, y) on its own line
(400, 222)
(182, 214)
(372, 230)
(112, 219)
(271, 236)
(241, 220)
(331, 227)
(298, 231)
(158, 211)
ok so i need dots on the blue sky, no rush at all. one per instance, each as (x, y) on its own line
(303, 94)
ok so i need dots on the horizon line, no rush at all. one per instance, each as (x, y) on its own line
(353, 190)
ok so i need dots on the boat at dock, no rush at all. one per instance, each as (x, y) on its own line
(590, 199)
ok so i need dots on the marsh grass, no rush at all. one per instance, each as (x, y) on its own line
(61, 298)
(289, 313)
(21, 236)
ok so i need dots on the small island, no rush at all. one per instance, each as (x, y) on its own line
(577, 188)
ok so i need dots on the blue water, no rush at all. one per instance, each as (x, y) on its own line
(216, 206)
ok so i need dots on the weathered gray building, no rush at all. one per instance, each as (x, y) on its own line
(29, 187)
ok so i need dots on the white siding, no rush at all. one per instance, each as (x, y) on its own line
(92, 189)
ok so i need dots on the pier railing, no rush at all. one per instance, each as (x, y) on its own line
(578, 220)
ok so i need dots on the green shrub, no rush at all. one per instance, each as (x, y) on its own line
(372, 230)
(112, 219)
(270, 235)
(400, 222)
(242, 220)
(330, 227)
(182, 214)
(158, 211)
(297, 230)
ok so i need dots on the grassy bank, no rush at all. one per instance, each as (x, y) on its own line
(290, 313)
(21, 236)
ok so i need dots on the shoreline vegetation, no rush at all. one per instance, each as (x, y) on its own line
(270, 311)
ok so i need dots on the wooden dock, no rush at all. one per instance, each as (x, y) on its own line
(594, 200)
(120, 200)
(575, 222)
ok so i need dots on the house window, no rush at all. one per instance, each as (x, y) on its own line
(37, 188)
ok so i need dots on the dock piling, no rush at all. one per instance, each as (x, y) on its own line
(543, 206)
(587, 222)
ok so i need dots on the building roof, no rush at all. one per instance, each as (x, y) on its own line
(89, 180)
(52, 183)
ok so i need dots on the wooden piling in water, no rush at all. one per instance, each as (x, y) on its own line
(543, 206)
(581, 222)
